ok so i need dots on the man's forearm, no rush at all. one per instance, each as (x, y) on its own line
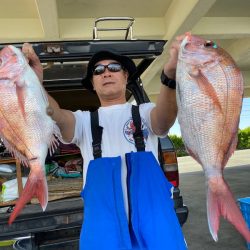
(53, 109)
(165, 112)
(63, 118)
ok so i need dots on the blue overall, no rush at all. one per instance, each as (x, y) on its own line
(152, 222)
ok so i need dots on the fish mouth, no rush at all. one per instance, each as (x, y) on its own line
(13, 55)
(194, 52)
(188, 44)
(196, 43)
(20, 55)
(183, 46)
(185, 41)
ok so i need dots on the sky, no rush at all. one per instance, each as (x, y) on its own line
(244, 118)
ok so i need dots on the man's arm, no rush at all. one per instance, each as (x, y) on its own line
(63, 118)
(164, 114)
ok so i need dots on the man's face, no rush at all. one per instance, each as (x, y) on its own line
(110, 84)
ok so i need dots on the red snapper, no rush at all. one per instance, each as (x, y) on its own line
(25, 127)
(209, 98)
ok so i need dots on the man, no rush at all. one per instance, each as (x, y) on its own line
(127, 199)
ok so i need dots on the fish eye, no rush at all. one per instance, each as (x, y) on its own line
(210, 43)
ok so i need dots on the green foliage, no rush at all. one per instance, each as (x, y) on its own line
(244, 138)
(179, 145)
(243, 142)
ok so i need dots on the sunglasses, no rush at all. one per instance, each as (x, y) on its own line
(112, 67)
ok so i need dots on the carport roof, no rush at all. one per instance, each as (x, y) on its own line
(226, 21)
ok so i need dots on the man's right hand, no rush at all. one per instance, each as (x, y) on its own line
(170, 66)
(33, 60)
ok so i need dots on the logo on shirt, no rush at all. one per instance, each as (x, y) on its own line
(129, 129)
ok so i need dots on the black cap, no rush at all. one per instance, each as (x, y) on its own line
(125, 61)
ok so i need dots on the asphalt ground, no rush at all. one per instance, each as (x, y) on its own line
(192, 186)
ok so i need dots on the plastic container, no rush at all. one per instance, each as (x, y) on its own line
(10, 189)
(245, 209)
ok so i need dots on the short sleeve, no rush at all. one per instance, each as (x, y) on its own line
(145, 111)
(81, 118)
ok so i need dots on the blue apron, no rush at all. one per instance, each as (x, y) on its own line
(152, 222)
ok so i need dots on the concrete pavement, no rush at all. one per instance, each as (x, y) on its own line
(239, 158)
(193, 190)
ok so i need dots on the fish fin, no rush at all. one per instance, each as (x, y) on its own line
(14, 151)
(36, 185)
(20, 91)
(54, 143)
(206, 87)
(220, 201)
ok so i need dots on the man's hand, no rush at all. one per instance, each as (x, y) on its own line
(170, 66)
(33, 60)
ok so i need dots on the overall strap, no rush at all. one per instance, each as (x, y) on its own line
(138, 135)
(96, 134)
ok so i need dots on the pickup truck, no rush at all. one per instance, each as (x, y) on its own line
(58, 227)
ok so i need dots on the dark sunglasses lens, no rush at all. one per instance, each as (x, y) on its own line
(114, 67)
(99, 69)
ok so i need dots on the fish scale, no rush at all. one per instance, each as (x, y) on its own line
(209, 99)
(25, 127)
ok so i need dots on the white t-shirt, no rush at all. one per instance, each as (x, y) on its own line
(117, 136)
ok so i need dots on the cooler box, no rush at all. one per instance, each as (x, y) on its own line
(245, 209)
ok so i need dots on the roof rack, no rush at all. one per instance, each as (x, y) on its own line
(128, 29)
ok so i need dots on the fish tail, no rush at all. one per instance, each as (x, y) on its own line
(36, 186)
(220, 202)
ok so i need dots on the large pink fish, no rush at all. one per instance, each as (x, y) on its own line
(209, 98)
(25, 127)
